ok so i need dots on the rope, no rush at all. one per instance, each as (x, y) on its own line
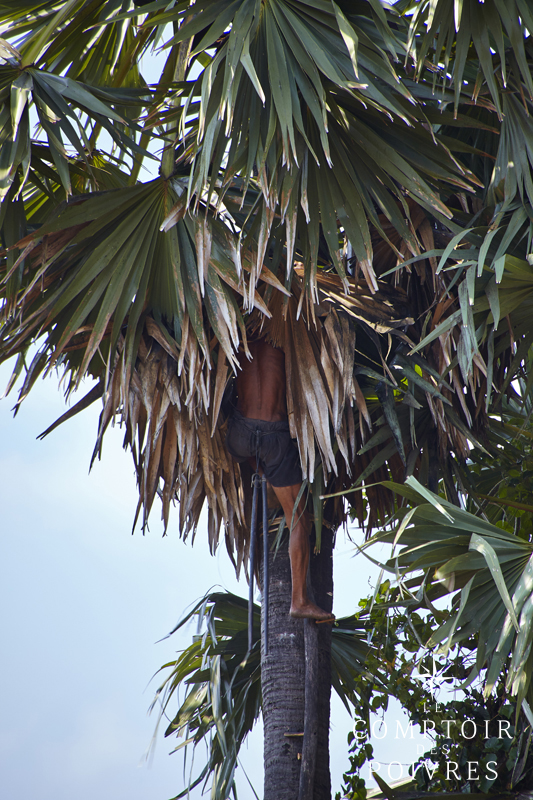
(265, 561)
(256, 478)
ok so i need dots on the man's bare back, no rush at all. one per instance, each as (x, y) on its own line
(261, 383)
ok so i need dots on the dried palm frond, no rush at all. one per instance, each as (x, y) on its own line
(375, 375)
(153, 315)
(164, 373)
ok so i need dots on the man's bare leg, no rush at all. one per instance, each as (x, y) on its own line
(301, 607)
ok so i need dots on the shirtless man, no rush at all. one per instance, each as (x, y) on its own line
(259, 429)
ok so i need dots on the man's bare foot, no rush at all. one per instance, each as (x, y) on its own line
(311, 611)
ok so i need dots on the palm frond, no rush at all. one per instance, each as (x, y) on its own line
(446, 32)
(222, 683)
(493, 569)
(59, 102)
(131, 314)
(258, 108)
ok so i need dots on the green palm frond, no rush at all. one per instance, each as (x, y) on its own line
(222, 687)
(452, 33)
(85, 41)
(492, 568)
(512, 169)
(477, 333)
(222, 683)
(483, 53)
(259, 108)
(59, 103)
(152, 315)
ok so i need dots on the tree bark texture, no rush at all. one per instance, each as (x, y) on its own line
(322, 582)
(312, 690)
(283, 680)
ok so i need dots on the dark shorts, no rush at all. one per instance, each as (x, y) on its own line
(271, 442)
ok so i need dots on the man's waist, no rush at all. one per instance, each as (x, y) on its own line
(264, 425)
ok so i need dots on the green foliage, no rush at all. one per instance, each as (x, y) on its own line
(502, 490)
(59, 102)
(448, 32)
(468, 728)
(454, 549)
(222, 687)
(221, 682)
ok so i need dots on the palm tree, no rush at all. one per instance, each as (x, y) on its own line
(352, 180)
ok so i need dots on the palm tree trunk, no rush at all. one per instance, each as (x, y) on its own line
(283, 682)
(322, 581)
